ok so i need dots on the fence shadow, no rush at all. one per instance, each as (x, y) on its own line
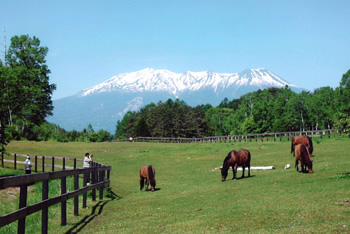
(96, 211)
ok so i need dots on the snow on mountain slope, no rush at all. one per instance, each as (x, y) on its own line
(151, 80)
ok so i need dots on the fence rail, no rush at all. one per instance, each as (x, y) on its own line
(248, 137)
(99, 174)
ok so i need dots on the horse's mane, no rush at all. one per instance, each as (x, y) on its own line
(304, 153)
(151, 175)
(311, 146)
(226, 160)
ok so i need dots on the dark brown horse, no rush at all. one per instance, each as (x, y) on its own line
(147, 176)
(302, 155)
(235, 159)
(305, 140)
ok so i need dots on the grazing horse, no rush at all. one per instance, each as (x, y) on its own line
(302, 155)
(235, 159)
(305, 140)
(147, 176)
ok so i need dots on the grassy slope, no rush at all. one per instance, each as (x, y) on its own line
(193, 199)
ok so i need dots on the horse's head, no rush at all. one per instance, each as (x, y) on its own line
(310, 166)
(223, 174)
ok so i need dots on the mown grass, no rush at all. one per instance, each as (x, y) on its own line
(192, 198)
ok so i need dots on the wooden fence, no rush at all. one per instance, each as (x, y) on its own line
(99, 174)
(240, 138)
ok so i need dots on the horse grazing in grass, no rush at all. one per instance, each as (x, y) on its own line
(235, 159)
(305, 140)
(302, 155)
(147, 176)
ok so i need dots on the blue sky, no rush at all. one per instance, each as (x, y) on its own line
(305, 42)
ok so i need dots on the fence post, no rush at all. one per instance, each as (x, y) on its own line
(2, 159)
(85, 179)
(15, 161)
(75, 163)
(64, 164)
(101, 188)
(43, 163)
(53, 163)
(22, 203)
(76, 198)
(64, 203)
(36, 163)
(93, 181)
(45, 211)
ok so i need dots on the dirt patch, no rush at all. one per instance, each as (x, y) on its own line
(11, 193)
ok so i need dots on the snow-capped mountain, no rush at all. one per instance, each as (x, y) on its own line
(150, 80)
(106, 103)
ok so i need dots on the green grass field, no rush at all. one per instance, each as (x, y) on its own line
(192, 198)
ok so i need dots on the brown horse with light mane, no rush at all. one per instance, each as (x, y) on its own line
(147, 176)
(235, 159)
(302, 155)
(305, 140)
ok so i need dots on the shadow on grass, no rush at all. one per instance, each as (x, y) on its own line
(245, 177)
(96, 211)
(156, 189)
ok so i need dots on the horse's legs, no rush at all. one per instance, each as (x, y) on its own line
(147, 183)
(234, 169)
(296, 164)
(249, 170)
(142, 182)
(243, 167)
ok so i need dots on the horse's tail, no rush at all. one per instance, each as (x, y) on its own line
(311, 145)
(249, 157)
(151, 175)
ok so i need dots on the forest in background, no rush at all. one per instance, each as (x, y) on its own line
(263, 111)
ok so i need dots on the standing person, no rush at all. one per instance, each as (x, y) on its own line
(28, 165)
(86, 164)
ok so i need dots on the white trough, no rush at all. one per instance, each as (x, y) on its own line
(251, 168)
(256, 168)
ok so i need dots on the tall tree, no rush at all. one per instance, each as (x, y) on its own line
(25, 91)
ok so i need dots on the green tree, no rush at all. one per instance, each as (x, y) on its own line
(344, 93)
(220, 121)
(25, 91)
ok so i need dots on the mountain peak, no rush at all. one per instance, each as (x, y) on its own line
(151, 80)
(107, 102)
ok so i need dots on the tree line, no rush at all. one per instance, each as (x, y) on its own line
(262, 111)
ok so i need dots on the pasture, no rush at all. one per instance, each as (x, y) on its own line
(192, 198)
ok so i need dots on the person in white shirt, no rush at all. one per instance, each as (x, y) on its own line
(86, 164)
(28, 165)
